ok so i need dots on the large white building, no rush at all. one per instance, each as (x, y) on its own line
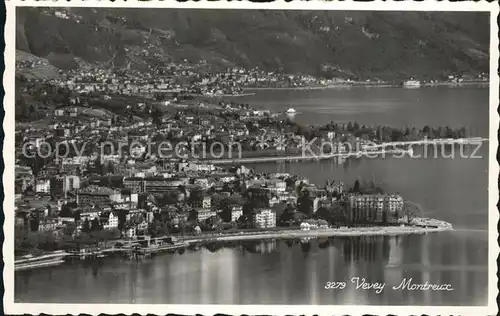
(205, 213)
(264, 218)
(236, 213)
(42, 186)
(276, 186)
(112, 221)
(374, 207)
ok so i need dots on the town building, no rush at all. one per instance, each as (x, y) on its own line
(236, 213)
(264, 218)
(131, 232)
(226, 178)
(112, 220)
(273, 201)
(161, 185)
(376, 208)
(95, 195)
(257, 192)
(23, 177)
(89, 213)
(394, 203)
(201, 181)
(206, 201)
(205, 213)
(59, 185)
(42, 186)
(276, 186)
(315, 204)
(47, 225)
(134, 184)
(157, 185)
(334, 187)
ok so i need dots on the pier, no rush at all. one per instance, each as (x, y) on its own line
(368, 151)
(305, 157)
(53, 259)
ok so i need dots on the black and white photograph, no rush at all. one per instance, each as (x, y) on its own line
(305, 156)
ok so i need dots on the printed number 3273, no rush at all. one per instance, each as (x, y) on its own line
(335, 285)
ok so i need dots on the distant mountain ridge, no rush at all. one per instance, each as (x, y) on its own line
(384, 45)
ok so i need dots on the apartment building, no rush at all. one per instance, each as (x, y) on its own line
(264, 218)
(375, 208)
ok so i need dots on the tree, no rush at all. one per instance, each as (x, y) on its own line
(34, 223)
(86, 226)
(95, 225)
(193, 215)
(213, 220)
(243, 221)
(110, 168)
(136, 220)
(356, 188)
(355, 127)
(158, 229)
(325, 213)
(196, 195)
(122, 218)
(169, 198)
(407, 132)
(98, 166)
(349, 126)
(287, 218)
(24, 242)
(69, 229)
(411, 210)
(156, 115)
(385, 216)
(225, 206)
(77, 215)
(290, 183)
(66, 211)
(305, 204)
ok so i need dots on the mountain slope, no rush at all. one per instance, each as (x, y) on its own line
(365, 44)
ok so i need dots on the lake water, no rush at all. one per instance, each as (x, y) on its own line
(434, 106)
(282, 272)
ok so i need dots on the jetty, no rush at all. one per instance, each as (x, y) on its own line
(382, 149)
(438, 141)
(297, 158)
(31, 262)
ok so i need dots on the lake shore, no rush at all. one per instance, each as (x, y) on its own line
(368, 85)
(327, 232)
(420, 226)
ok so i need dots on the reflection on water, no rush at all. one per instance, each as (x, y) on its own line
(291, 271)
(369, 248)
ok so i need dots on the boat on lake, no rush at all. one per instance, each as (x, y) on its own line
(291, 111)
(411, 84)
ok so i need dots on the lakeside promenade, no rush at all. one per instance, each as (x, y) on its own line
(367, 152)
(421, 226)
(326, 232)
